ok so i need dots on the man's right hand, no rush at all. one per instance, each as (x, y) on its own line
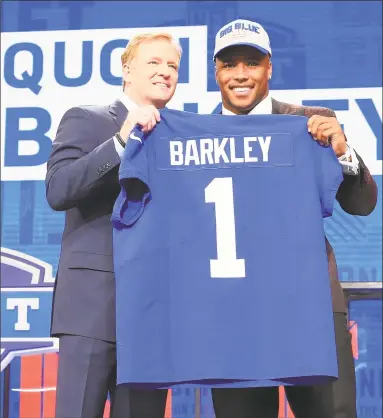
(147, 117)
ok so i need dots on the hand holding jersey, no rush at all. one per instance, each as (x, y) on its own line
(327, 131)
(146, 117)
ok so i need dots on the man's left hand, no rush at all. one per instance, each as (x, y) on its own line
(327, 131)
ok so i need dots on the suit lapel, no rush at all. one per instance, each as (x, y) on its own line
(275, 107)
(280, 108)
(119, 112)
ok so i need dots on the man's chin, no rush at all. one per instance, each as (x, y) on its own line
(243, 108)
(158, 102)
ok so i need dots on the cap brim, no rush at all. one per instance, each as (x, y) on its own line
(263, 50)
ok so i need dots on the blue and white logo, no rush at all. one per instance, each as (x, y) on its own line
(26, 302)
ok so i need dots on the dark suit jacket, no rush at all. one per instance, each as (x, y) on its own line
(82, 179)
(357, 195)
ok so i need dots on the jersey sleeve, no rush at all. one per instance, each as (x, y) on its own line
(329, 177)
(134, 181)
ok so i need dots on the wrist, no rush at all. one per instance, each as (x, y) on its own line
(345, 155)
(341, 151)
(125, 131)
(120, 139)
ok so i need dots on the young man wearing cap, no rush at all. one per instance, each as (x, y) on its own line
(243, 69)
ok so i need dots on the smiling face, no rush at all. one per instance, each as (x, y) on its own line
(152, 75)
(242, 74)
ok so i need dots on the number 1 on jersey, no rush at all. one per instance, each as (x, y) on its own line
(227, 265)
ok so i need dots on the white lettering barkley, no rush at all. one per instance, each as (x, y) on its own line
(212, 151)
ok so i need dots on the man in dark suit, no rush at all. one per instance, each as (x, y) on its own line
(243, 69)
(82, 180)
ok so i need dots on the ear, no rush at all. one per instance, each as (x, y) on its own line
(126, 73)
(270, 71)
(216, 75)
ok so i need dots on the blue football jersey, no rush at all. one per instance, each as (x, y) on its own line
(219, 250)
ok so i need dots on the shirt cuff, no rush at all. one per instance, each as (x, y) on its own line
(119, 148)
(349, 162)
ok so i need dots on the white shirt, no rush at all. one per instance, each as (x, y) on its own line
(265, 108)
